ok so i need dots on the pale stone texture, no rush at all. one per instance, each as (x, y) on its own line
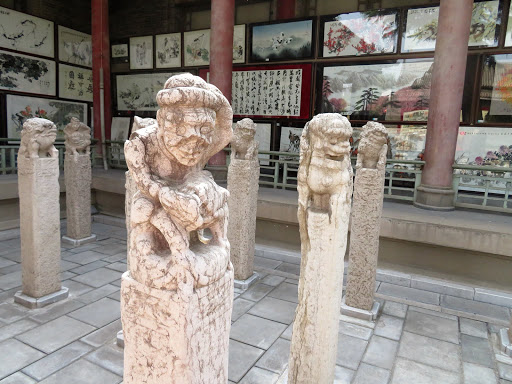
(325, 190)
(243, 176)
(77, 172)
(366, 213)
(38, 185)
(177, 297)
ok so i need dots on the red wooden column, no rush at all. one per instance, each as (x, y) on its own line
(221, 54)
(101, 63)
(285, 9)
(435, 191)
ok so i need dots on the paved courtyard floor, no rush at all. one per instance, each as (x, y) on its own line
(420, 337)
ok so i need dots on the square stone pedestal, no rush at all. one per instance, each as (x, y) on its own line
(245, 284)
(505, 342)
(39, 302)
(78, 242)
(370, 315)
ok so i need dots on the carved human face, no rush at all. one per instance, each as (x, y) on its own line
(186, 132)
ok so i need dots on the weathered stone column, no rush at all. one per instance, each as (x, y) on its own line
(177, 297)
(78, 175)
(38, 188)
(243, 177)
(365, 226)
(325, 192)
(506, 339)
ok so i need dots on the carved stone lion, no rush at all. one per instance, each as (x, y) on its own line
(78, 138)
(37, 138)
(243, 145)
(372, 148)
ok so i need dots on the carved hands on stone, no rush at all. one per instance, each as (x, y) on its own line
(243, 144)
(373, 147)
(77, 137)
(37, 138)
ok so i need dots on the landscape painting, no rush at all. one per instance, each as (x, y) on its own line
(141, 52)
(239, 44)
(168, 50)
(75, 83)
(119, 51)
(21, 108)
(283, 41)
(197, 47)
(377, 91)
(27, 74)
(138, 92)
(22, 32)
(360, 33)
(75, 47)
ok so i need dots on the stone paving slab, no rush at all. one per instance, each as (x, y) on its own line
(98, 277)
(409, 372)
(409, 293)
(394, 309)
(256, 331)
(275, 359)
(287, 292)
(381, 352)
(350, 351)
(16, 355)
(83, 372)
(432, 326)
(275, 309)
(109, 357)
(476, 374)
(481, 311)
(473, 328)
(99, 313)
(368, 374)
(17, 378)
(241, 359)
(389, 326)
(476, 350)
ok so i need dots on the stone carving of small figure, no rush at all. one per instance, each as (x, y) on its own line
(176, 198)
(372, 150)
(142, 122)
(37, 138)
(243, 145)
(77, 138)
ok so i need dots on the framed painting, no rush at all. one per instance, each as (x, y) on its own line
(141, 52)
(197, 48)
(119, 51)
(60, 112)
(23, 73)
(26, 33)
(508, 35)
(239, 44)
(290, 142)
(282, 41)
(168, 50)
(75, 83)
(75, 47)
(376, 91)
(360, 33)
(120, 128)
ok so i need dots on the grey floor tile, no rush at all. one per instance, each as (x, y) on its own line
(10, 269)
(368, 374)
(287, 334)
(409, 293)
(116, 295)
(10, 312)
(350, 351)
(275, 309)
(112, 249)
(275, 359)
(98, 277)
(476, 350)
(292, 281)
(286, 291)
(89, 267)
(433, 313)
(119, 266)
(17, 378)
(257, 292)
(57, 360)
(473, 328)
(84, 257)
(58, 309)
(355, 330)
(115, 258)
(343, 375)
(389, 326)
(470, 306)
(241, 359)
(10, 280)
(99, 313)
(394, 309)
(67, 275)
(273, 280)
(256, 331)
(6, 262)
(13, 255)
(83, 372)
(294, 269)
(505, 371)
(259, 376)
(103, 335)
(85, 247)
(266, 263)
(16, 355)
(432, 326)
(55, 334)
(240, 307)
(67, 265)
(381, 352)
(409, 372)
(476, 374)
(16, 328)
(109, 357)
(97, 294)
(76, 288)
(427, 350)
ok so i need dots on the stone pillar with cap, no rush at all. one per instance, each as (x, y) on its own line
(38, 188)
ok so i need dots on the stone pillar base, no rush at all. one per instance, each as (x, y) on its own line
(505, 342)
(39, 302)
(370, 315)
(245, 284)
(120, 339)
(78, 242)
(435, 198)
(174, 337)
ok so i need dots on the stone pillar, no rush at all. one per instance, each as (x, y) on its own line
(435, 191)
(78, 175)
(506, 339)
(243, 178)
(365, 224)
(38, 188)
(177, 297)
(325, 192)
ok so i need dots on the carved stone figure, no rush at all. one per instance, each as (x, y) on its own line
(325, 190)
(365, 227)
(38, 188)
(176, 298)
(243, 177)
(77, 138)
(243, 144)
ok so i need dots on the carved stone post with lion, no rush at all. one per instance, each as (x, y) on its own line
(78, 175)
(325, 193)
(365, 227)
(177, 297)
(243, 177)
(38, 188)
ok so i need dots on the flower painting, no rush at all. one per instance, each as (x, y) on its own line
(141, 52)
(168, 50)
(197, 47)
